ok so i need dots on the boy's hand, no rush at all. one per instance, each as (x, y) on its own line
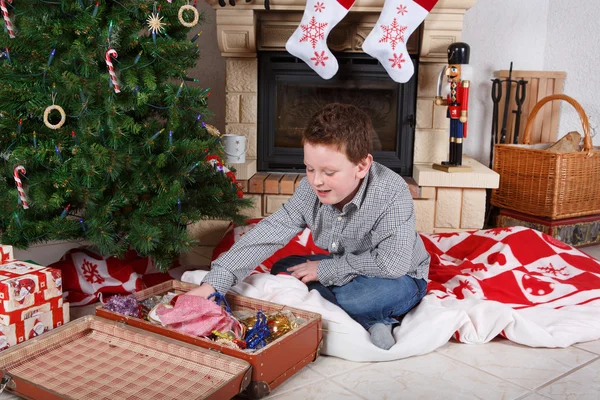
(203, 290)
(306, 272)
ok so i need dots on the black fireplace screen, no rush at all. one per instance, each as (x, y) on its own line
(290, 93)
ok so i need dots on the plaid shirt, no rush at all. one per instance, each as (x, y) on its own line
(374, 234)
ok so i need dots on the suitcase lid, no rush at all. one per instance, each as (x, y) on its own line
(92, 357)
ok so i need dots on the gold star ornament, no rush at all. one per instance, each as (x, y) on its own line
(155, 24)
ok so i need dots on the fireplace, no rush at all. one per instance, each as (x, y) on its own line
(290, 92)
(246, 33)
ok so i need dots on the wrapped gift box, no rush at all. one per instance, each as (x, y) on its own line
(6, 253)
(24, 285)
(13, 334)
(12, 317)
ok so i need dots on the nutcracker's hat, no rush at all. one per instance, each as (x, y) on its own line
(458, 53)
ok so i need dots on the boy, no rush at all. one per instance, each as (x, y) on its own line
(357, 209)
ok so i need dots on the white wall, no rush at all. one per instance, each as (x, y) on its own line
(548, 35)
(572, 46)
(499, 32)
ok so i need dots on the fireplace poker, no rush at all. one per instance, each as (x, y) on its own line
(520, 94)
(509, 82)
(496, 96)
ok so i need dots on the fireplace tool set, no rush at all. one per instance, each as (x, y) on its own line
(520, 94)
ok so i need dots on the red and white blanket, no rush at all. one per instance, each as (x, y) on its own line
(514, 282)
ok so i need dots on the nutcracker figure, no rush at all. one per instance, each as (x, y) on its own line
(457, 73)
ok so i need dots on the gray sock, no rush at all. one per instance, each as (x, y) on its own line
(381, 336)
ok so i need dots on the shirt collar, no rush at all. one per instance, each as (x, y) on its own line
(359, 196)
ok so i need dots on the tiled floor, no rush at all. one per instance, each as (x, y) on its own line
(496, 370)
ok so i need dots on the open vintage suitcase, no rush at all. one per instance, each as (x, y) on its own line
(72, 361)
(272, 364)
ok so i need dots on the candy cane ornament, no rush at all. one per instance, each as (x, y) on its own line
(111, 69)
(7, 21)
(21, 169)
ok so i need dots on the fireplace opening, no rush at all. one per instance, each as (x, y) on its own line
(290, 92)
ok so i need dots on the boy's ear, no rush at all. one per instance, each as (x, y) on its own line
(363, 166)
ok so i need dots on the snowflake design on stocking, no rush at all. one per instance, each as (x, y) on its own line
(90, 272)
(319, 7)
(402, 9)
(320, 58)
(313, 32)
(393, 34)
(397, 60)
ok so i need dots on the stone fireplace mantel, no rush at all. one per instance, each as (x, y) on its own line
(247, 28)
(241, 28)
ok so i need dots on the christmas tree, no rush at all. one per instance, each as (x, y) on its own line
(102, 138)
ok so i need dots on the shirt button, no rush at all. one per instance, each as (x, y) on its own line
(333, 245)
(330, 283)
(339, 218)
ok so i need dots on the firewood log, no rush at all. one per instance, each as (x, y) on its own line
(567, 144)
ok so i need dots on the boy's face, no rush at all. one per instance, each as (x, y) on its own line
(333, 177)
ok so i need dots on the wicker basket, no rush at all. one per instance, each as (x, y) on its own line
(545, 184)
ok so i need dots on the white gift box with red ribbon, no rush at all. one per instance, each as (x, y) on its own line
(24, 285)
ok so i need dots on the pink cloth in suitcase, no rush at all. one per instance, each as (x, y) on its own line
(198, 316)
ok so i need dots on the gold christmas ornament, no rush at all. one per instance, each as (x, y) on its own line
(194, 22)
(249, 322)
(63, 116)
(212, 130)
(155, 23)
(279, 325)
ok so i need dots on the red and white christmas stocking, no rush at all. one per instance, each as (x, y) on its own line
(309, 40)
(387, 40)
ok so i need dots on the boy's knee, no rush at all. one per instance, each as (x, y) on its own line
(356, 305)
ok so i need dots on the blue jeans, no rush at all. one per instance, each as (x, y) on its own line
(367, 300)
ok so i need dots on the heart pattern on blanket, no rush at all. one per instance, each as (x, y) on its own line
(517, 266)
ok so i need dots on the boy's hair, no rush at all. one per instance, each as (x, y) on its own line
(344, 126)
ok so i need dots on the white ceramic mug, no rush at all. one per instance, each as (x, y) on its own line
(235, 148)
